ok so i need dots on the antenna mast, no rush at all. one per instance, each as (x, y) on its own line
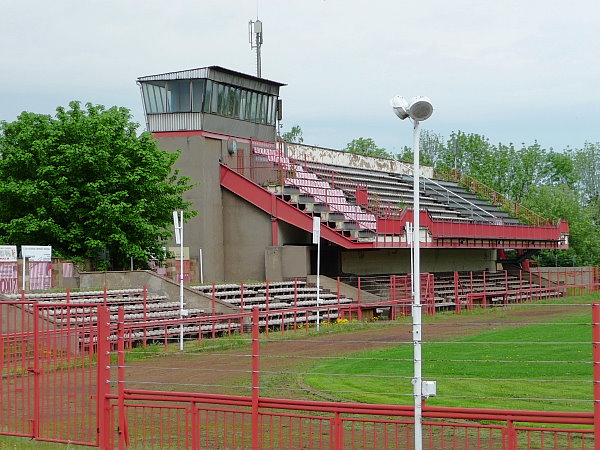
(256, 39)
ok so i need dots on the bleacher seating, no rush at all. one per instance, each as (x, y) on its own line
(319, 196)
(150, 317)
(392, 192)
(278, 296)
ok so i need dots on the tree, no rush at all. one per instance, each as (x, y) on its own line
(294, 135)
(366, 147)
(431, 148)
(87, 184)
(562, 202)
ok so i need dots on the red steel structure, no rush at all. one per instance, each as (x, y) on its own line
(263, 184)
(56, 386)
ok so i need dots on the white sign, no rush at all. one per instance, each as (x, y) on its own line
(177, 252)
(37, 252)
(8, 253)
(177, 227)
(316, 230)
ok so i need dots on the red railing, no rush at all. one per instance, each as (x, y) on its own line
(445, 231)
(56, 387)
(308, 183)
(273, 172)
(196, 420)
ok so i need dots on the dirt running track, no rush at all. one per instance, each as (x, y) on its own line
(228, 372)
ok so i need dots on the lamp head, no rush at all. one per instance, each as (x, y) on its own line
(419, 108)
(400, 106)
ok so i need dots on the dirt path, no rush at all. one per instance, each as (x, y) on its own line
(228, 372)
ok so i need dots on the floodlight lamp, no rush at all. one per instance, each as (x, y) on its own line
(420, 108)
(400, 106)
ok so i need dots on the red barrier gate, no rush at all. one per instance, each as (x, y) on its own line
(48, 385)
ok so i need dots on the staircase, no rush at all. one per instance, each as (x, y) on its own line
(318, 197)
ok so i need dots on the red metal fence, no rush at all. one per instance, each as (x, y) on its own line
(65, 381)
(146, 418)
(48, 374)
(182, 420)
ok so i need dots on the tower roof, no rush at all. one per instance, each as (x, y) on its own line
(210, 72)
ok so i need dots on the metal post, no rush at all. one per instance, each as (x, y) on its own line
(316, 239)
(36, 371)
(24, 260)
(255, 378)
(596, 360)
(201, 268)
(121, 378)
(258, 60)
(416, 306)
(103, 377)
(318, 283)
(181, 312)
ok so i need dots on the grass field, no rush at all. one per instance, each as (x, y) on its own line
(545, 366)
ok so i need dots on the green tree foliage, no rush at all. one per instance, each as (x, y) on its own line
(587, 165)
(558, 185)
(563, 202)
(293, 136)
(366, 147)
(87, 184)
(431, 148)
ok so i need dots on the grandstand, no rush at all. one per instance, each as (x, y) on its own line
(257, 196)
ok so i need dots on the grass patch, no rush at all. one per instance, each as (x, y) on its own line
(23, 443)
(545, 366)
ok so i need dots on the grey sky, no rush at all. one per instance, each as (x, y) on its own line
(514, 71)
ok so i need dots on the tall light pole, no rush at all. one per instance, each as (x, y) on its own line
(419, 109)
(178, 225)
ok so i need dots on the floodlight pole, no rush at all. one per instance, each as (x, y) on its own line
(317, 240)
(181, 306)
(419, 109)
(178, 225)
(416, 306)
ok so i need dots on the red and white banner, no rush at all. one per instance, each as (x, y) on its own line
(67, 270)
(40, 275)
(8, 277)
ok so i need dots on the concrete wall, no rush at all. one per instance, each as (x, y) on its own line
(238, 128)
(246, 234)
(199, 160)
(384, 261)
(291, 235)
(287, 262)
(340, 158)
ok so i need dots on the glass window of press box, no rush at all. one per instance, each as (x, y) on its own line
(182, 96)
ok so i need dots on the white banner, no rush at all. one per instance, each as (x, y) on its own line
(8, 253)
(316, 234)
(37, 252)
